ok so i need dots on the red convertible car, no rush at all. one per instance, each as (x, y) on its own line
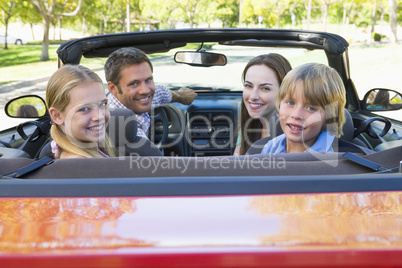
(187, 201)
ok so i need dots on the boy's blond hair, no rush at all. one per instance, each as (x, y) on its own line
(322, 87)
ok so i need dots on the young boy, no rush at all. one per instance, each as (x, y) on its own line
(310, 106)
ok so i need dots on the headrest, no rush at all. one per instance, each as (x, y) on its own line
(274, 125)
(122, 126)
(348, 127)
(122, 131)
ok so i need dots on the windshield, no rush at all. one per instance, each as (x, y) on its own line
(175, 75)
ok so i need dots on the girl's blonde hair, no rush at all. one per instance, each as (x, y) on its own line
(322, 87)
(58, 91)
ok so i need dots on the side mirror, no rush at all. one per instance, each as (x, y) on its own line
(200, 58)
(381, 99)
(29, 106)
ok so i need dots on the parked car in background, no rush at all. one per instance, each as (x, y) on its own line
(197, 205)
(12, 40)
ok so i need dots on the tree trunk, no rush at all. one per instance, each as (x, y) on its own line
(393, 23)
(59, 19)
(324, 26)
(84, 27)
(373, 17)
(32, 30)
(45, 44)
(308, 14)
(6, 33)
(54, 31)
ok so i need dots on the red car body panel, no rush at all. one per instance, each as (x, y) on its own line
(330, 229)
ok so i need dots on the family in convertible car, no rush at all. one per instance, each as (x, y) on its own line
(306, 99)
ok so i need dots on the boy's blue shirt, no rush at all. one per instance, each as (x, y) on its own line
(278, 144)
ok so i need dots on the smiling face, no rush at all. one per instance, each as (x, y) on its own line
(301, 122)
(261, 87)
(136, 88)
(86, 116)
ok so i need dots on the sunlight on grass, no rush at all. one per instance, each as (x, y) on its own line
(22, 63)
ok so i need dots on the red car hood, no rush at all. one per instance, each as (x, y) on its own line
(284, 230)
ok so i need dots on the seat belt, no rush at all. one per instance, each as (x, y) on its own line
(364, 162)
(44, 161)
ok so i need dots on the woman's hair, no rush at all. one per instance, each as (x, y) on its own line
(58, 91)
(281, 66)
(322, 87)
(27, 110)
(381, 99)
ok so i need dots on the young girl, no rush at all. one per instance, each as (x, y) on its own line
(261, 77)
(310, 105)
(78, 107)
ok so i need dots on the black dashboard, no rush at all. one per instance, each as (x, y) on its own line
(207, 127)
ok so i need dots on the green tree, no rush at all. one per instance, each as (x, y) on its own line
(393, 19)
(9, 9)
(228, 12)
(208, 12)
(28, 15)
(49, 9)
(191, 10)
(167, 12)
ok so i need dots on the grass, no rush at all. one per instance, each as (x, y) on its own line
(23, 61)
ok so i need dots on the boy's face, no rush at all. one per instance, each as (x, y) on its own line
(300, 121)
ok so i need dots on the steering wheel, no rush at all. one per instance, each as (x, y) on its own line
(366, 127)
(39, 130)
(159, 115)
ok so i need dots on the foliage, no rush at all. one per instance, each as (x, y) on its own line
(109, 16)
(376, 37)
(49, 11)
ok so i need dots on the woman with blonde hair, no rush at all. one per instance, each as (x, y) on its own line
(77, 104)
(261, 77)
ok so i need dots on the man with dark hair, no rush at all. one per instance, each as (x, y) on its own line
(131, 84)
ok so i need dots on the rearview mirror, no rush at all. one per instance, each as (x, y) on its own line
(381, 99)
(29, 106)
(200, 58)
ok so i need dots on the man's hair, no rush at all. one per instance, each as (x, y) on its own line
(122, 58)
(322, 87)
